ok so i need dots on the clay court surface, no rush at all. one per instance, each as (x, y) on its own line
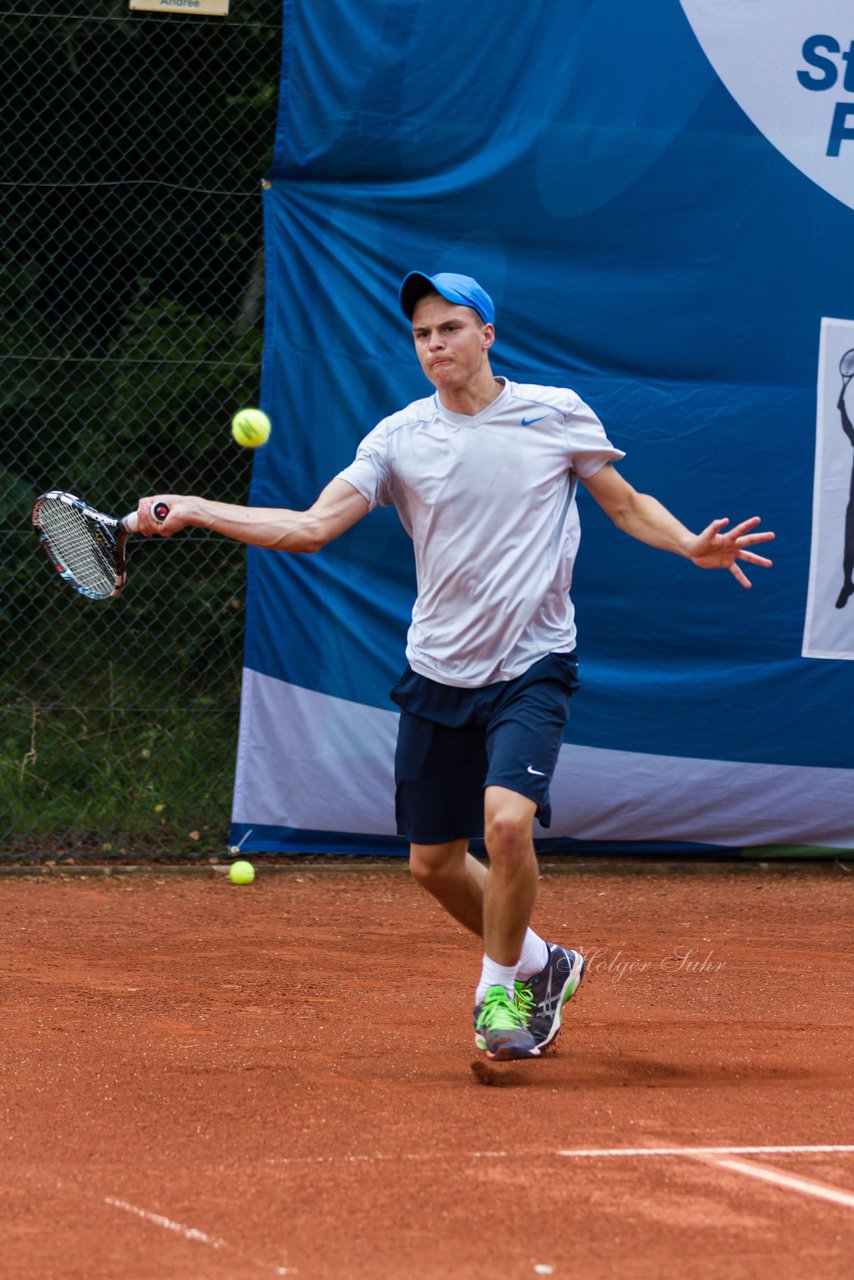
(209, 1082)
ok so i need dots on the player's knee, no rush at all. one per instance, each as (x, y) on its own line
(508, 831)
(431, 863)
(420, 867)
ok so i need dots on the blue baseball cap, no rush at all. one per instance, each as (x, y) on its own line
(462, 290)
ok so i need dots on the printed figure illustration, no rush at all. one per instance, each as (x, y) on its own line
(846, 368)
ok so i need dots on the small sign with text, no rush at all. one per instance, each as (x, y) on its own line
(219, 8)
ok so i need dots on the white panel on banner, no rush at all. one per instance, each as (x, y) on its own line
(306, 767)
(829, 630)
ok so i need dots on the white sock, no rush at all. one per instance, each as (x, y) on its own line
(495, 975)
(534, 957)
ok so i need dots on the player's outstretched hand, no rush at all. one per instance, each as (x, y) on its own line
(714, 549)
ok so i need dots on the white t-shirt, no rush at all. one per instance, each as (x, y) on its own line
(489, 502)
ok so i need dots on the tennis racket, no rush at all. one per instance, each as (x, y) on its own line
(86, 547)
(846, 368)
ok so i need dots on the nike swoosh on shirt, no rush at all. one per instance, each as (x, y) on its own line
(538, 772)
(529, 422)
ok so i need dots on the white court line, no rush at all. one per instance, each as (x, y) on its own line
(189, 1233)
(790, 1181)
(727, 1158)
(604, 1153)
(396, 1157)
(718, 1157)
(577, 1153)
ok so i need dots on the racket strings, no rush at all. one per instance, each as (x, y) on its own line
(80, 546)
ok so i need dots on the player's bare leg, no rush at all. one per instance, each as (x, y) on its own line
(457, 881)
(495, 903)
(454, 878)
(511, 883)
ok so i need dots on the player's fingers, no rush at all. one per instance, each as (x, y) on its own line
(748, 539)
(744, 526)
(712, 532)
(739, 576)
(147, 522)
(138, 522)
(754, 559)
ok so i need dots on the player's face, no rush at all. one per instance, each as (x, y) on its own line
(452, 343)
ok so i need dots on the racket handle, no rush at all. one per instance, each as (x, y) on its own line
(131, 523)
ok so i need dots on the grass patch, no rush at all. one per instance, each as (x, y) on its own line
(114, 780)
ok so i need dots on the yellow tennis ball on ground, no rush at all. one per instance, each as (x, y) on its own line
(250, 428)
(241, 873)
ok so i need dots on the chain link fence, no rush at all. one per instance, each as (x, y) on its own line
(131, 274)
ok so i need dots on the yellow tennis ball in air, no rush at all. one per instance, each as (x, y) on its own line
(250, 428)
(241, 873)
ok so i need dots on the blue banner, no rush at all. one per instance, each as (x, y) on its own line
(660, 200)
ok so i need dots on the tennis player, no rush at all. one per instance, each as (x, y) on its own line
(483, 474)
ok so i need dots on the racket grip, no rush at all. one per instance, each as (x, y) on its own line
(131, 522)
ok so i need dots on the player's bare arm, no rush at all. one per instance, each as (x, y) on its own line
(645, 518)
(338, 507)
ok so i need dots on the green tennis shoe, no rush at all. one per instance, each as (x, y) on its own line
(500, 1029)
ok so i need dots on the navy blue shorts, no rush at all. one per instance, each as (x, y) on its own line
(452, 743)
